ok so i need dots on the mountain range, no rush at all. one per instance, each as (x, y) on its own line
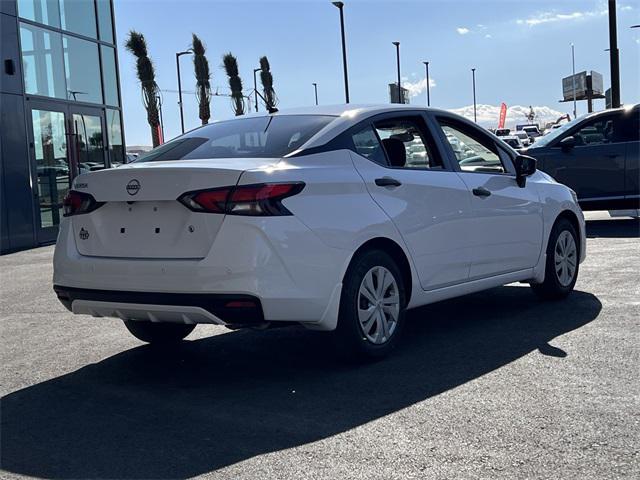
(488, 115)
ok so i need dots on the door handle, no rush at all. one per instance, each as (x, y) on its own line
(481, 192)
(388, 182)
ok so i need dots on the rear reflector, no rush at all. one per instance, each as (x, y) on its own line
(241, 304)
(264, 199)
(77, 203)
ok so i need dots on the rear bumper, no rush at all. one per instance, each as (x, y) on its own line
(231, 310)
(282, 264)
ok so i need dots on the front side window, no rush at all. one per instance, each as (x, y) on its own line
(597, 132)
(473, 153)
(267, 137)
(405, 144)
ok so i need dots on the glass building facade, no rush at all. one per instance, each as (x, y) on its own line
(61, 110)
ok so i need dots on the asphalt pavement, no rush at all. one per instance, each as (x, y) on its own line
(495, 385)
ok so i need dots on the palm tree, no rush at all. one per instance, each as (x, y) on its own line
(235, 83)
(266, 78)
(203, 87)
(137, 45)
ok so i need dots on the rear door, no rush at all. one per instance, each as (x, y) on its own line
(425, 199)
(505, 231)
(595, 167)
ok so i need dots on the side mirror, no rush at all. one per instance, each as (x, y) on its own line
(568, 143)
(525, 166)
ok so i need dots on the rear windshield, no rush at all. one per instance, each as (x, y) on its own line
(273, 136)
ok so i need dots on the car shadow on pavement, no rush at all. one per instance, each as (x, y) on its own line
(223, 399)
(618, 228)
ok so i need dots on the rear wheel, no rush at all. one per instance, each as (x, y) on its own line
(372, 306)
(563, 259)
(158, 333)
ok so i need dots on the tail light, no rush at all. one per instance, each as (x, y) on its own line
(263, 199)
(77, 203)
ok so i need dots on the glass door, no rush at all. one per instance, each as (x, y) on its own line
(52, 171)
(89, 139)
(65, 142)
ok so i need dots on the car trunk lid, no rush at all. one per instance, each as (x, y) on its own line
(141, 217)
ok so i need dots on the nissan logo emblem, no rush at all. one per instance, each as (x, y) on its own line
(133, 187)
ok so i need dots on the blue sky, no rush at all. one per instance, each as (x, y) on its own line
(520, 48)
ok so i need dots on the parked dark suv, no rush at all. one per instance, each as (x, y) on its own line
(598, 156)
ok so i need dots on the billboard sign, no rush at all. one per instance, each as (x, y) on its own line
(597, 84)
(582, 85)
(577, 82)
(393, 94)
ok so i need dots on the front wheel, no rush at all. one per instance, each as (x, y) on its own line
(158, 333)
(563, 261)
(372, 306)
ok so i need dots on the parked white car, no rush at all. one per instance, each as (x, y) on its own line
(513, 141)
(317, 216)
(523, 136)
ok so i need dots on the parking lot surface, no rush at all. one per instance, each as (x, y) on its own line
(493, 385)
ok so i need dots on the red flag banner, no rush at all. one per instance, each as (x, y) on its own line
(503, 115)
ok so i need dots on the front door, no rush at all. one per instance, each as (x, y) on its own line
(594, 167)
(65, 141)
(506, 228)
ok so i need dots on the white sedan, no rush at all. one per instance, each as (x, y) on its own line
(321, 217)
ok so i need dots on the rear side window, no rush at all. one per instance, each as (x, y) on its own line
(273, 136)
(367, 144)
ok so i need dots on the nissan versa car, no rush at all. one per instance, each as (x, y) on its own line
(336, 218)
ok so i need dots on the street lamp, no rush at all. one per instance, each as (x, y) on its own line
(315, 87)
(178, 55)
(426, 66)
(573, 66)
(473, 74)
(255, 86)
(340, 6)
(397, 44)
(614, 59)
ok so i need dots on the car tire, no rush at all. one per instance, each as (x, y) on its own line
(158, 333)
(562, 264)
(371, 316)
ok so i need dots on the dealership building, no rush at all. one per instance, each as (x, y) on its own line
(60, 110)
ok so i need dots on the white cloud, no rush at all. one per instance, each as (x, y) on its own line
(462, 30)
(416, 88)
(553, 16)
(488, 35)
(626, 8)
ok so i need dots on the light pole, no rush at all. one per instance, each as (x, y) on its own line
(573, 67)
(426, 66)
(315, 88)
(178, 55)
(614, 59)
(340, 6)
(255, 86)
(397, 44)
(473, 75)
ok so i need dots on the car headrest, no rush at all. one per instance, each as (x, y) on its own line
(396, 152)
